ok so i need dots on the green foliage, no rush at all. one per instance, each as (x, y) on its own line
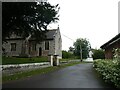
(85, 46)
(98, 54)
(16, 60)
(67, 55)
(24, 18)
(71, 49)
(116, 53)
(110, 71)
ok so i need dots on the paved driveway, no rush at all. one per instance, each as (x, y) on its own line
(78, 76)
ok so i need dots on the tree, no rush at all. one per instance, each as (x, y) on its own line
(71, 49)
(66, 54)
(27, 18)
(98, 54)
(84, 44)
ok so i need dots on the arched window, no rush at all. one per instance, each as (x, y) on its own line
(46, 45)
(13, 46)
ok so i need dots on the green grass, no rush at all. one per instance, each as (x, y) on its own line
(17, 60)
(22, 75)
(0, 60)
(67, 59)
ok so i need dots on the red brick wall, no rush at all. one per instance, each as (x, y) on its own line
(108, 53)
(109, 50)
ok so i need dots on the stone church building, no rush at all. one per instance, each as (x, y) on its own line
(52, 45)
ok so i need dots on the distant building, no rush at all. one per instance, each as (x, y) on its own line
(108, 46)
(52, 45)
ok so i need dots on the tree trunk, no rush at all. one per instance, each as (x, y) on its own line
(25, 47)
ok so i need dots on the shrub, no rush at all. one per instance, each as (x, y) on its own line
(67, 55)
(98, 54)
(116, 53)
(109, 70)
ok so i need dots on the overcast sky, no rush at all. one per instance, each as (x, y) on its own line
(96, 20)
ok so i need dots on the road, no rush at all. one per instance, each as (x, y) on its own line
(77, 76)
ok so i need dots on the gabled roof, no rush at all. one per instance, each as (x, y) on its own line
(50, 33)
(110, 42)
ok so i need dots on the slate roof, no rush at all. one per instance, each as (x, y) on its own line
(113, 40)
(50, 33)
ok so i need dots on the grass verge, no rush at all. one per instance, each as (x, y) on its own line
(22, 75)
(18, 60)
(67, 59)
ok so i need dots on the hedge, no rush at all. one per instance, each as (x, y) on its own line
(109, 70)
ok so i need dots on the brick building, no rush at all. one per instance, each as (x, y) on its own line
(108, 46)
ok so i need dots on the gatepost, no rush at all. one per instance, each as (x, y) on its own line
(50, 58)
(55, 60)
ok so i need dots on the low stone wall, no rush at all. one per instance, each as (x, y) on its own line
(11, 69)
(5, 67)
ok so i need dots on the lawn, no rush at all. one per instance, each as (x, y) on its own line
(66, 59)
(17, 60)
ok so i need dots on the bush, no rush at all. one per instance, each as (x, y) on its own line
(98, 54)
(109, 70)
(116, 53)
(67, 55)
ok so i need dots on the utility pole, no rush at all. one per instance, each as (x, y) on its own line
(80, 47)
(80, 52)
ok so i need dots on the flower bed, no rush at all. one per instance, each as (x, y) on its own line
(109, 70)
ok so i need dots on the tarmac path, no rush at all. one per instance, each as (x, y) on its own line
(77, 76)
